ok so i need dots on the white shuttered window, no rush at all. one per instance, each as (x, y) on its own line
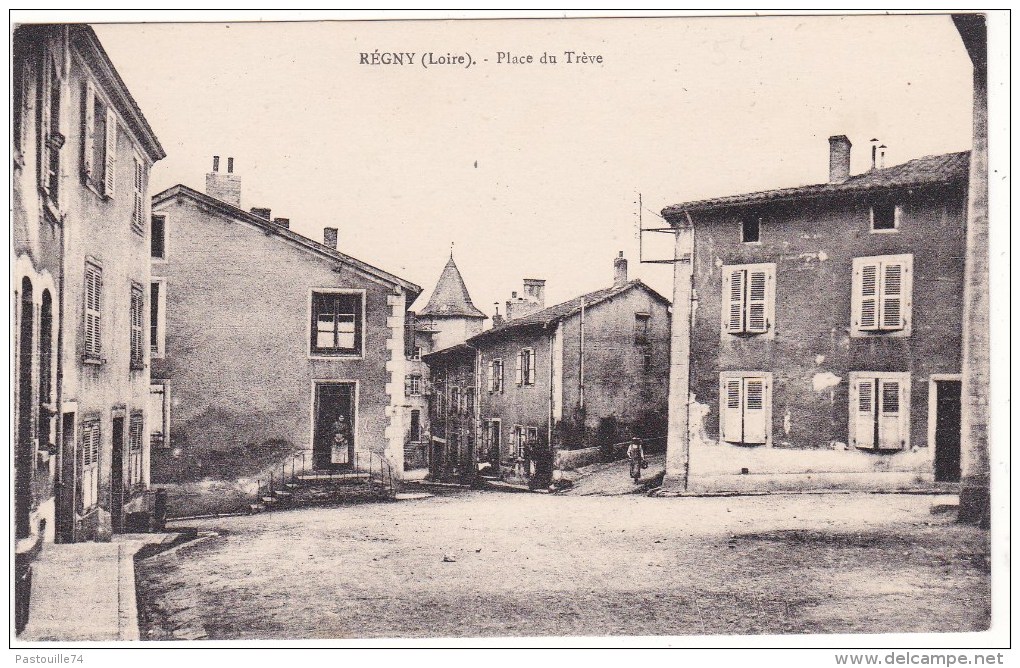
(879, 410)
(748, 299)
(881, 299)
(745, 407)
(92, 324)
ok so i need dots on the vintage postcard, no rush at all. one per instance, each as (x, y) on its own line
(509, 330)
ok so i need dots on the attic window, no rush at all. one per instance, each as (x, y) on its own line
(750, 229)
(885, 216)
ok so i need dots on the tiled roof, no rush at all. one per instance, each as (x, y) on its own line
(931, 169)
(565, 309)
(181, 190)
(450, 296)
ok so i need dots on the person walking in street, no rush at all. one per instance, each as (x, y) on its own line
(636, 455)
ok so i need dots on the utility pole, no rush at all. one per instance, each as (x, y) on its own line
(678, 436)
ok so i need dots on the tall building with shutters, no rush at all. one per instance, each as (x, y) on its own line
(825, 345)
(82, 151)
(266, 346)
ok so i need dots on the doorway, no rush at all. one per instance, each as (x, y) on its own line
(117, 476)
(947, 430)
(334, 425)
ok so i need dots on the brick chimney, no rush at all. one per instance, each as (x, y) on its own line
(264, 214)
(534, 291)
(282, 222)
(839, 158)
(532, 300)
(224, 186)
(619, 270)
(497, 318)
(329, 236)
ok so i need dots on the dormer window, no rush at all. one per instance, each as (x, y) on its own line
(750, 229)
(885, 217)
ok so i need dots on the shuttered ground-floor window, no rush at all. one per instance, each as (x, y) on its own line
(879, 410)
(135, 436)
(88, 453)
(745, 407)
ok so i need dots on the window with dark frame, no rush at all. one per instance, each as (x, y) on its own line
(415, 425)
(883, 216)
(526, 367)
(414, 385)
(154, 340)
(750, 228)
(158, 243)
(642, 322)
(336, 323)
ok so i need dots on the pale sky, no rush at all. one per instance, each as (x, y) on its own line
(533, 170)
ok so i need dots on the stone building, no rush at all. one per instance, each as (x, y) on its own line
(268, 344)
(82, 151)
(825, 346)
(448, 318)
(527, 395)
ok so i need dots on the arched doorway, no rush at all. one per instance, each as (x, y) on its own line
(24, 447)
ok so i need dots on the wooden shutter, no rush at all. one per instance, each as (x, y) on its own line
(890, 414)
(867, 296)
(733, 312)
(862, 403)
(137, 316)
(138, 212)
(93, 311)
(492, 376)
(407, 386)
(892, 295)
(757, 301)
(730, 401)
(110, 153)
(90, 129)
(520, 367)
(531, 367)
(755, 413)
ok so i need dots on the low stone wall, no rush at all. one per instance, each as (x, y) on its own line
(568, 460)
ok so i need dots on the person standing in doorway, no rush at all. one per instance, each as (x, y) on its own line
(636, 455)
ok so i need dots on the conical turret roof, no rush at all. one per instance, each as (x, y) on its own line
(450, 297)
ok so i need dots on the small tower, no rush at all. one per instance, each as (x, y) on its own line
(454, 317)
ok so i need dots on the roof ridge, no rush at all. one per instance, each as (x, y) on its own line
(923, 170)
(307, 242)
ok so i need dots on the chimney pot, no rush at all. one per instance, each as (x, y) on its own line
(230, 165)
(839, 158)
(619, 270)
(282, 222)
(224, 186)
(263, 213)
(330, 237)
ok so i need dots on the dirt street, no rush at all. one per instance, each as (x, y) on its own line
(484, 564)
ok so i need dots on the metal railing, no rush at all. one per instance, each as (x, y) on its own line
(373, 471)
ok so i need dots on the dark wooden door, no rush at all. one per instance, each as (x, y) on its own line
(117, 476)
(333, 445)
(947, 430)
